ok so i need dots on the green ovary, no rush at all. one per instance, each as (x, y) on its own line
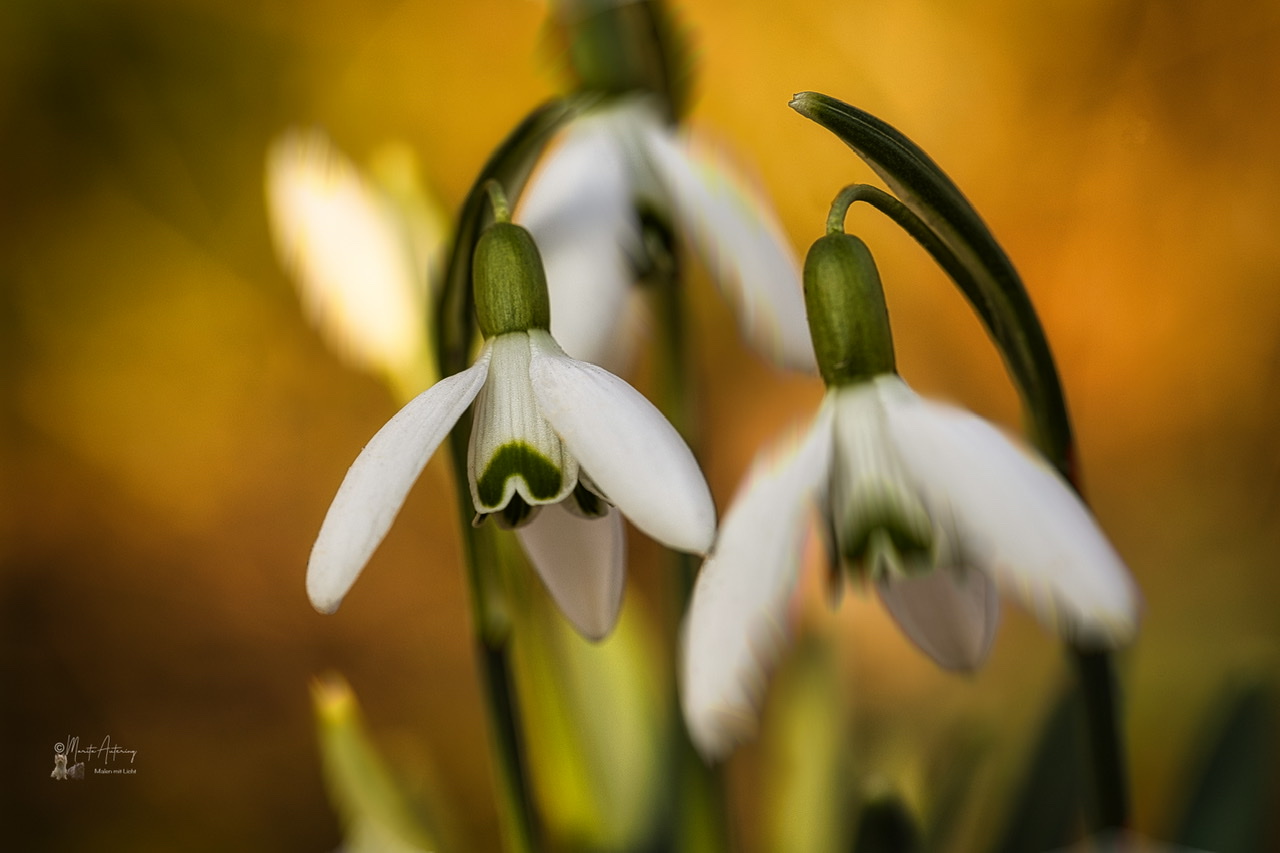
(517, 459)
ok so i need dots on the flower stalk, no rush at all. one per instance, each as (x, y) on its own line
(491, 617)
(491, 620)
(700, 796)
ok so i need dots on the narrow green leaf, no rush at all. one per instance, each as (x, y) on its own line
(376, 815)
(1045, 814)
(966, 249)
(951, 780)
(594, 722)
(1231, 795)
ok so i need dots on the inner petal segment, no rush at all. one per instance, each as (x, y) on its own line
(514, 451)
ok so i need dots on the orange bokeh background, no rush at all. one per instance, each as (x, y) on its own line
(173, 430)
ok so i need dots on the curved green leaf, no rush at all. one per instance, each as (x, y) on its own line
(970, 255)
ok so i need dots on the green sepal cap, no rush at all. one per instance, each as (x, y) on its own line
(848, 319)
(510, 283)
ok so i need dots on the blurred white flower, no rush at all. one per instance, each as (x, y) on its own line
(358, 250)
(583, 208)
(555, 443)
(934, 506)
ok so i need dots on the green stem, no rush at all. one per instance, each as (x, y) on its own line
(498, 200)
(1110, 777)
(843, 200)
(700, 798)
(509, 165)
(519, 824)
(492, 621)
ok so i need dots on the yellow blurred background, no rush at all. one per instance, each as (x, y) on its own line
(173, 430)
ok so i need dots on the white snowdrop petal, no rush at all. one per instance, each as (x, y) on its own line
(349, 254)
(950, 614)
(379, 480)
(735, 233)
(634, 455)
(582, 562)
(735, 624)
(1015, 518)
(579, 208)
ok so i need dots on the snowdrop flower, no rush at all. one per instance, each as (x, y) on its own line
(583, 207)
(556, 444)
(932, 505)
(358, 251)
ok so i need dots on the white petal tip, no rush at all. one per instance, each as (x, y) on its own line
(1104, 634)
(1104, 620)
(582, 563)
(627, 447)
(699, 538)
(949, 615)
(724, 679)
(320, 589)
(325, 608)
(595, 632)
(716, 733)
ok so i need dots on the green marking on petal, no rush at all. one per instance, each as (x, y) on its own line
(887, 534)
(518, 459)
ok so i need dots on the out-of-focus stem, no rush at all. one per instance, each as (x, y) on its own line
(1110, 776)
(701, 819)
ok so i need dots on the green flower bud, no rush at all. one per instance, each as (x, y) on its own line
(510, 284)
(847, 315)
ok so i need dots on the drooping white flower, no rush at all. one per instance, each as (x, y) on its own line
(953, 510)
(358, 249)
(583, 207)
(556, 444)
(931, 504)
